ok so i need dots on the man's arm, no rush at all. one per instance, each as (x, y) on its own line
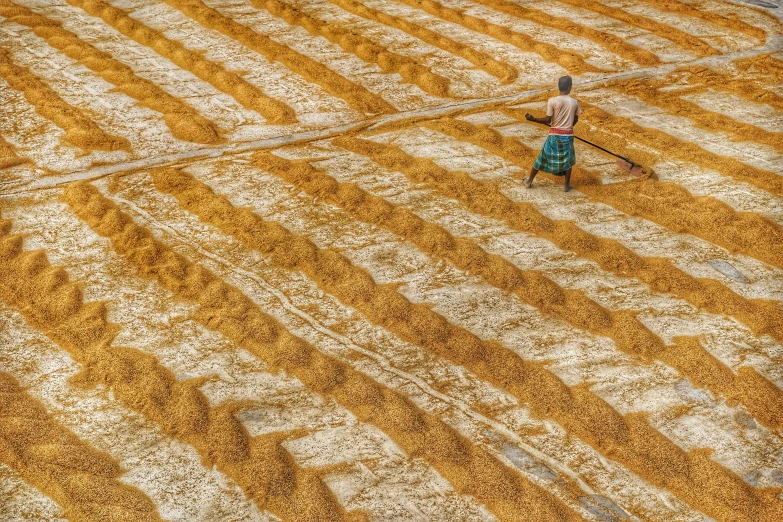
(576, 119)
(546, 120)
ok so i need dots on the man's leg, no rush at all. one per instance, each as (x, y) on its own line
(567, 185)
(528, 181)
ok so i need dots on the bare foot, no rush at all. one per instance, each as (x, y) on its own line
(566, 188)
(526, 183)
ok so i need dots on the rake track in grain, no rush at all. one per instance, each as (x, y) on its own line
(410, 69)
(764, 69)
(615, 44)
(532, 287)
(80, 130)
(681, 38)
(183, 120)
(250, 96)
(763, 317)
(628, 439)
(494, 67)
(667, 204)
(8, 156)
(703, 12)
(260, 465)
(227, 310)
(82, 480)
(356, 95)
(652, 92)
(765, 63)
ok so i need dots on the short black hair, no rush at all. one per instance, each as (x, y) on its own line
(564, 83)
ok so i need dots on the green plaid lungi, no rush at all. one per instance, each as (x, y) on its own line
(557, 156)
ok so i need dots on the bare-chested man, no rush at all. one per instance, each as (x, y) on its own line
(558, 155)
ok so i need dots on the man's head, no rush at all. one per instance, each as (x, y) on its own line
(564, 84)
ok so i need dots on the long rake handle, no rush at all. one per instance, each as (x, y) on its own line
(599, 147)
(603, 149)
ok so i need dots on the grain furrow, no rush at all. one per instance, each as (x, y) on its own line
(567, 59)
(410, 69)
(667, 204)
(80, 130)
(681, 150)
(8, 156)
(763, 317)
(767, 63)
(82, 480)
(356, 95)
(681, 38)
(629, 439)
(532, 287)
(260, 465)
(183, 120)
(615, 44)
(354, 287)
(675, 208)
(250, 96)
(23, 498)
(743, 84)
(95, 415)
(435, 384)
(499, 69)
(703, 12)
(227, 310)
(274, 402)
(760, 396)
(650, 92)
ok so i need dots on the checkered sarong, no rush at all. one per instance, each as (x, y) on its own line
(557, 156)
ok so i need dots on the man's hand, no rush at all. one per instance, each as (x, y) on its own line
(529, 117)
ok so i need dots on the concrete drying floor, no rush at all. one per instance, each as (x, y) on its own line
(272, 260)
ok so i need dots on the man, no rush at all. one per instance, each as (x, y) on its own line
(558, 155)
